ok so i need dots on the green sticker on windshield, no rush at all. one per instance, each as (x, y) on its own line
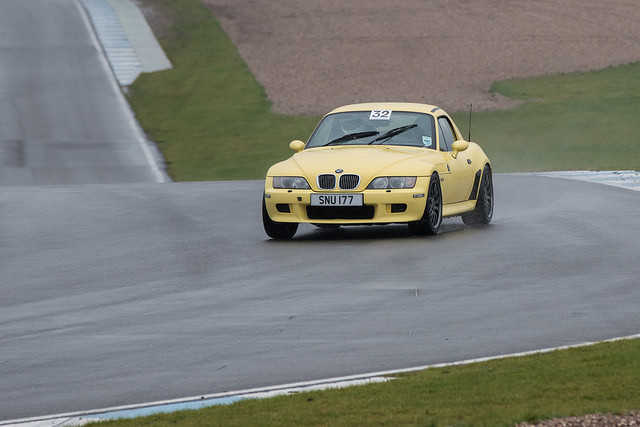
(426, 140)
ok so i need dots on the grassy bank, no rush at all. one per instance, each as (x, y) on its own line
(604, 378)
(567, 122)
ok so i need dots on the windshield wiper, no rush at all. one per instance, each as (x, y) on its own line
(394, 132)
(352, 136)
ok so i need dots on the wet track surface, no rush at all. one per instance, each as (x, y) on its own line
(117, 294)
(63, 119)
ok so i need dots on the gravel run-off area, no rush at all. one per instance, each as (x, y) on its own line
(311, 56)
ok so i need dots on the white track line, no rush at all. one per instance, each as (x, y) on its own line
(91, 11)
(624, 179)
(116, 45)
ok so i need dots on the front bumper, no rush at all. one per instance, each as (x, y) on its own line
(380, 206)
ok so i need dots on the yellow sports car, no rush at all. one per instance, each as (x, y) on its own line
(379, 163)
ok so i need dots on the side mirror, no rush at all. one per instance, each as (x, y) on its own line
(458, 146)
(296, 145)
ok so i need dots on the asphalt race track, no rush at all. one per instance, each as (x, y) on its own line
(118, 294)
(116, 290)
(63, 119)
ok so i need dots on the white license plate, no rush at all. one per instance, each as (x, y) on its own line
(336, 200)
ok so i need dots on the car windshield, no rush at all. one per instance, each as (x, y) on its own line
(375, 127)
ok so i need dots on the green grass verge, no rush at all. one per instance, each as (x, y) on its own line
(567, 122)
(604, 378)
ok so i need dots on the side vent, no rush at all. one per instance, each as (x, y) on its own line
(476, 184)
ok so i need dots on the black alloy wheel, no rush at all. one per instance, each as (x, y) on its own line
(432, 217)
(277, 230)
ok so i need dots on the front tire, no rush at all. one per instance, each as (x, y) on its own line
(277, 230)
(432, 217)
(483, 211)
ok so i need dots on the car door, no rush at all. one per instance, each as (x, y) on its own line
(457, 185)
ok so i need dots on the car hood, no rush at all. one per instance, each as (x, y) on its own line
(366, 161)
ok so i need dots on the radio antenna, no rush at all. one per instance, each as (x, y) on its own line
(470, 108)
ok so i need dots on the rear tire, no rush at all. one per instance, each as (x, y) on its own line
(277, 230)
(483, 211)
(432, 217)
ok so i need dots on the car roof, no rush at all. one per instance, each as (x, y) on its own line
(397, 106)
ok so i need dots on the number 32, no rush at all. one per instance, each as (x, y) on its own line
(380, 115)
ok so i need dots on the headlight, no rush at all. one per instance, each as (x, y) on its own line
(290, 182)
(392, 182)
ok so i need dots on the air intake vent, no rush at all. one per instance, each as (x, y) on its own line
(349, 181)
(340, 212)
(327, 182)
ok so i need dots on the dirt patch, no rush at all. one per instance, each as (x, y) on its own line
(595, 420)
(311, 55)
